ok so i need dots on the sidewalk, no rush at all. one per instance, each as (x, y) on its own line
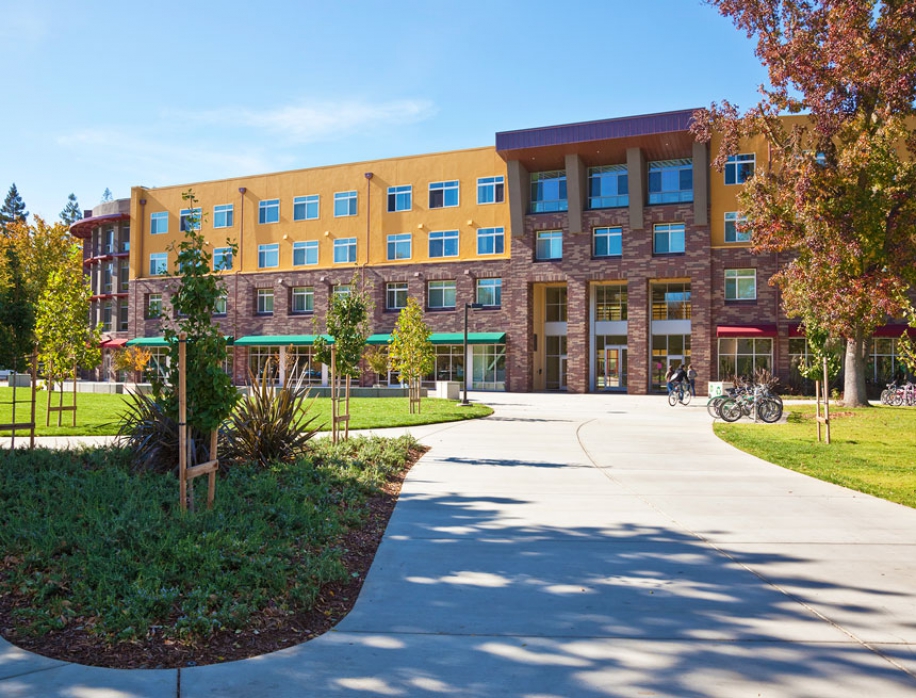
(591, 545)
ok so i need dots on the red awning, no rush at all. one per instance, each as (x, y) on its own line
(113, 343)
(796, 330)
(746, 331)
(894, 331)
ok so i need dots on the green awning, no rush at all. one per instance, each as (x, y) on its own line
(155, 342)
(280, 340)
(449, 338)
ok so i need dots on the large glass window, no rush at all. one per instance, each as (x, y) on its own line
(443, 194)
(608, 187)
(668, 350)
(158, 263)
(222, 258)
(740, 284)
(732, 220)
(189, 219)
(345, 203)
(302, 299)
(490, 292)
(611, 303)
(305, 208)
(739, 168)
(668, 238)
(608, 242)
(670, 181)
(269, 255)
(549, 244)
(301, 363)
(443, 243)
(441, 294)
(269, 211)
(265, 300)
(399, 198)
(555, 302)
(548, 192)
(396, 295)
(399, 246)
(223, 216)
(488, 367)
(449, 363)
(344, 250)
(742, 356)
(671, 301)
(305, 253)
(159, 223)
(491, 190)
(264, 362)
(491, 240)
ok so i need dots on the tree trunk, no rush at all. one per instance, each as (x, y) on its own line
(854, 383)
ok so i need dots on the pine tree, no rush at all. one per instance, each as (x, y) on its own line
(71, 213)
(13, 209)
(107, 195)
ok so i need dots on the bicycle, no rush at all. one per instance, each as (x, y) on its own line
(766, 407)
(679, 394)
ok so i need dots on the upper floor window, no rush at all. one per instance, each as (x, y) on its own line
(670, 181)
(396, 295)
(158, 263)
(671, 301)
(490, 292)
(548, 191)
(441, 294)
(733, 219)
(549, 244)
(265, 298)
(110, 241)
(269, 211)
(222, 258)
(153, 305)
(124, 275)
(608, 186)
(399, 246)
(305, 253)
(344, 250)
(399, 198)
(340, 290)
(189, 219)
(222, 303)
(491, 240)
(302, 299)
(668, 238)
(223, 216)
(159, 223)
(443, 194)
(345, 204)
(125, 238)
(305, 208)
(607, 242)
(555, 298)
(739, 168)
(611, 303)
(491, 190)
(443, 243)
(269, 256)
(740, 284)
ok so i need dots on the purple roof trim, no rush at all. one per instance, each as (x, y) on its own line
(605, 129)
(82, 228)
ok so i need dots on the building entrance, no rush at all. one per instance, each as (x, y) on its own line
(615, 368)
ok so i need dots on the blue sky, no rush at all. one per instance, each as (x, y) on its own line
(116, 94)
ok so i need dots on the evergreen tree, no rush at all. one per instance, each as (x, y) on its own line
(71, 213)
(13, 209)
(107, 195)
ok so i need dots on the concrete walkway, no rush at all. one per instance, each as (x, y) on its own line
(589, 545)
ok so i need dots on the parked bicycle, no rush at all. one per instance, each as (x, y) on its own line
(757, 402)
(898, 395)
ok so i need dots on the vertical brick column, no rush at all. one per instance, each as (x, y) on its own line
(577, 338)
(576, 187)
(638, 336)
(518, 301)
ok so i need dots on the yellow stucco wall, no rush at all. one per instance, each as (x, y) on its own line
(419, 171)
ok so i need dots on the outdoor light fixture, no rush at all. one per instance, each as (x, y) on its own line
(467, 306)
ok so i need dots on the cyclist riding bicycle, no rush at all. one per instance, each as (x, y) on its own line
(679, 376)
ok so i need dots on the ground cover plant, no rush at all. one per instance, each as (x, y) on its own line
(100, 568)
(872, 450)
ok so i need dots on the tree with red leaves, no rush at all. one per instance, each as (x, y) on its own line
(839, 191)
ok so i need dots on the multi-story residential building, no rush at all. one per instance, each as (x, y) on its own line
(600, 254)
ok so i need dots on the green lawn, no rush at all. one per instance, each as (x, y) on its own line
(99, 415)
(872, 450)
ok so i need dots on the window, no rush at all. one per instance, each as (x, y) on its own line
(608, 242)
(344, 250)
(491, 190)
(125, 238)
(490, 240)
(739, 356)
(671, 301)
(611, 304)
(341, 290)
(670, 181)
(302, 299)
(106, 317)
(269, 255)
(443, 243)
(344, 204)
(399, 246)
(441, 294)
(740, 284)
(739, 168)
(549, 244)
(732, 220)
(107, 275)
(555, 303)
(608, 186)
(269, 211)
(302, 365)
(264, 362)
(189, 219)
(305, 208)
(490, 292)
(548, 191)
(305, 253)
(222, 258)
(109, 241)
(443, 194)
(396, 295)
(265, 298)
(668, 238)
(222, 303)
(488, 367)
(399, 198)
(123, 316)
(153, 305)
(159, 223)
(223, 216)
(158, 263)
(124, 275)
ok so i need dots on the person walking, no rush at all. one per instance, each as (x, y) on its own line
(668, 377)
(692, 379)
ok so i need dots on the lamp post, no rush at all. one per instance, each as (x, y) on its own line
(467, 306)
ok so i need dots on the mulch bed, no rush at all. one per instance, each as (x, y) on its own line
(268, 631)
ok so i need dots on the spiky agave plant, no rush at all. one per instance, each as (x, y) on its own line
(270, 425)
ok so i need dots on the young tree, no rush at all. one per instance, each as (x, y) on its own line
(132, 359)
(411, 353)
(839, 192)
(13, 209)
(377, 360)
(71, 213)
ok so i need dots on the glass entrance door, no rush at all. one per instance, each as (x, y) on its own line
(615, 368)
